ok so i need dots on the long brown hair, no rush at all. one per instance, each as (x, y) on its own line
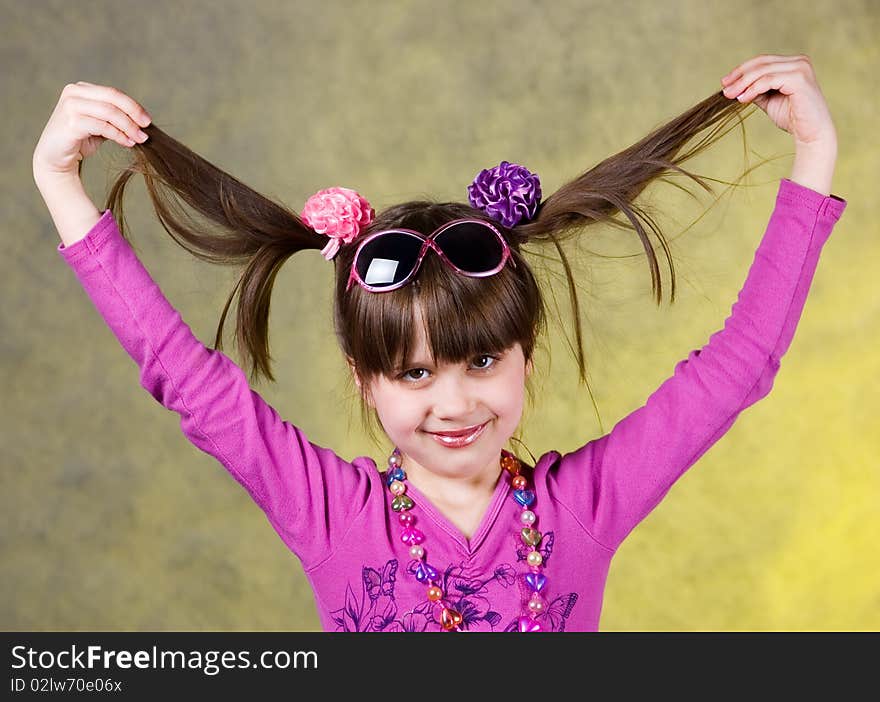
(374, 331)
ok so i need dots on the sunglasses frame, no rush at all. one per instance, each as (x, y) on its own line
(428, 243)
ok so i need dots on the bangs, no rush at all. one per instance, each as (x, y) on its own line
(458, 316)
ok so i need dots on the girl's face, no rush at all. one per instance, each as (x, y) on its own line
(422, 398)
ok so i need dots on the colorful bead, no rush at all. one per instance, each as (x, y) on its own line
(511, 463)
(401, 502)
(527, 517)
(527, 624)
(519, 482)
(412, 536)
(530, 537)
(449, 619)
(536, 581)
(394, 458)
(397, 487)
(395, 474)
(534, 558)
(425, 572)
(406, 518)
(435, 593)
(524, 497)
(417, 552)
(536, 604)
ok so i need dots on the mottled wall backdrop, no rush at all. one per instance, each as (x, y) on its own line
(111, 520)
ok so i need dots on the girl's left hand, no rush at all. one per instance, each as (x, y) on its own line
(785, 87)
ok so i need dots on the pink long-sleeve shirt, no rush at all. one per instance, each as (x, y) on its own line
(336, 515)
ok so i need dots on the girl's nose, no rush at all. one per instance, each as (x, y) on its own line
(453, 400)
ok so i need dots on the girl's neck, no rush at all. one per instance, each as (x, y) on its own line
(452, 492)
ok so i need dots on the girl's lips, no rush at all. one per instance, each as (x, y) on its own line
(458, 432)
(460, 440)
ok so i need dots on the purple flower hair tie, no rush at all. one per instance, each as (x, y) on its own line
(508, 192)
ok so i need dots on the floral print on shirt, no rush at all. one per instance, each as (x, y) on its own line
(375, 608)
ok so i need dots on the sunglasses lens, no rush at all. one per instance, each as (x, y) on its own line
(388, 259)
(473, 248)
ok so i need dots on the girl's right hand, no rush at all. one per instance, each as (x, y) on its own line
(85, 116)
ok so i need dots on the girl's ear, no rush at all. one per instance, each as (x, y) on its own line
(354, 372)
(365, 392)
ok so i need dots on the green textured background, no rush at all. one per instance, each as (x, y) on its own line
(111, 520)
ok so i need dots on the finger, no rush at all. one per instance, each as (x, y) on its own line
(117, 97)
(110, 113)
(100, 127)
(756, 62)
(736, 88)
(782, 81)
(750, 69)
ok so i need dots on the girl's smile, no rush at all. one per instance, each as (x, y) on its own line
(461, 438)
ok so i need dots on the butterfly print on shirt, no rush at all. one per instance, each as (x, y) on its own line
(375, 609)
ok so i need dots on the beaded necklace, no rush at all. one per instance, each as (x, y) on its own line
(450, 620)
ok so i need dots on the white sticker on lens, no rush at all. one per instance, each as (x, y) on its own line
(381, 270)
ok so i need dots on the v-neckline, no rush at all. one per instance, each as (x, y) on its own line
(469, 545)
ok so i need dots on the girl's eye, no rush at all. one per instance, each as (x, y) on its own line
(491, 358)
(406, 374)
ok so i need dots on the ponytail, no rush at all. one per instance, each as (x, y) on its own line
(613, 185)
(252, 231)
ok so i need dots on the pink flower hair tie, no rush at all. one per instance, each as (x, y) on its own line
(340, 213)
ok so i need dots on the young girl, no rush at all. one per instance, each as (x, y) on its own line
(437, 312)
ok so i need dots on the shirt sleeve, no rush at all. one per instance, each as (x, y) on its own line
(309, 494)
(614, 482)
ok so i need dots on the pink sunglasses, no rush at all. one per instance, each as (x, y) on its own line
(389, 259)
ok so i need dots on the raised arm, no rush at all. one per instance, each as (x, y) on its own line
(616, 480)
(613, 482)
(308, 492)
